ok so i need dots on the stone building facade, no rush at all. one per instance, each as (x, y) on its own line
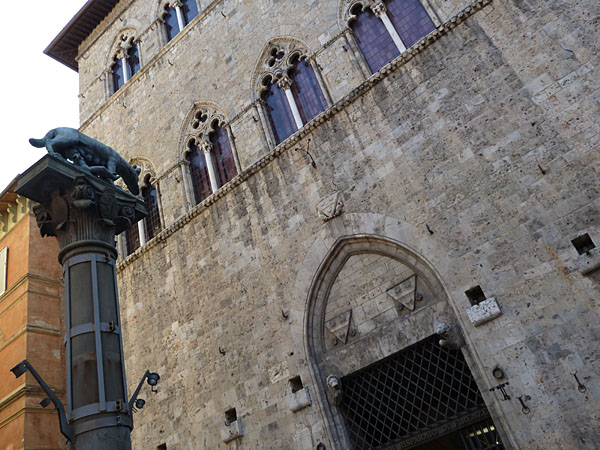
(307, 253)
(30, 327)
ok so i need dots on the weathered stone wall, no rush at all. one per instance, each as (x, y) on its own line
(488, 136)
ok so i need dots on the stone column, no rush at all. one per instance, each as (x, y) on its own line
(180, 20)
(207, 147)
(380, 10)
(84, 213)
(286, 84)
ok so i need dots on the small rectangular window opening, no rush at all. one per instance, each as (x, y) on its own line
(296, 384)
(162, 447)
(583, 244)
(230, 416)
(475, 295)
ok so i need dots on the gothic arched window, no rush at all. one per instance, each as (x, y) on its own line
(307, 92)
(278, 111)
(132, 239)
(209, 152)
(126, 62)
(384, 30)
(223, 155)
(118, 77)
(171, 22)
(289, 89)
(177, 14)
(198, 171)
(152, 221)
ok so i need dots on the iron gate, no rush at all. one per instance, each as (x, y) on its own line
(422, 397)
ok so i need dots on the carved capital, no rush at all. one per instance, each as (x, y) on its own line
(284, 83)
(205, 145)
(176, 4)
(451, 336)
(76, 206)
(379, 9)
(335, 386)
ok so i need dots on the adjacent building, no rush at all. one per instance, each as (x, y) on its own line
(30, 327)
(373, 224)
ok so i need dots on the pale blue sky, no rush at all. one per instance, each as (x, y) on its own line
(38, 93)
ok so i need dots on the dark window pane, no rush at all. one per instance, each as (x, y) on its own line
(190, 10)
(307, 92)
(199, 173)
(171, 23)
(223, 156)
(410, 19)
(117, 74)
(279, 113)
(132, 238)
(133, 59)
(152, 221)
(374, 41)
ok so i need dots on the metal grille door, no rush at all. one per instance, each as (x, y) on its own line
(415, 396)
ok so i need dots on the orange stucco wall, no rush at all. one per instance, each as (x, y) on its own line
(30, 327)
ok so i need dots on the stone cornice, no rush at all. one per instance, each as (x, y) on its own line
(293, 140)
(21, 392)
(18, 209)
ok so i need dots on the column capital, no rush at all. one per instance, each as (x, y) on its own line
(76, 206)
(284, 83)
(176, 4)
(379, 8)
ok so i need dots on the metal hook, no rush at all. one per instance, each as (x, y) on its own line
(500, 388)
(580, 386)
(429, 228)
(284, 314)
(221, 351)
(541, 169)
(524, 408)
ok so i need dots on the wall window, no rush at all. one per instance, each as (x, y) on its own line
(209, 152)
(132, 239)
(146, 229)
(177, 14)
(198, 171)
(223, 155)
(290, 91)
(384, 30)
(152, 221)
(126, 62)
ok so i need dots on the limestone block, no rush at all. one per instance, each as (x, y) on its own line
(589, 262)
(299, 400)
(232, 431)
(484, 312)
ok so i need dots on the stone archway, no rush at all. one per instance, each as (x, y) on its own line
(371, 299)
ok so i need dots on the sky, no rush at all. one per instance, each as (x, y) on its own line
(37, 92)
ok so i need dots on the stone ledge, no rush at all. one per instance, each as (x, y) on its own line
(588, 262)
(484, 312)
(299, 400)
(232, 431)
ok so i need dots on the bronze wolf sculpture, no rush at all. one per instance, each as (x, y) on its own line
(89, 154)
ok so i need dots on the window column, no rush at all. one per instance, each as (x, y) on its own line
(210, 165)
(179, 11)
(141, 232)
(380, 10)
(286, 85)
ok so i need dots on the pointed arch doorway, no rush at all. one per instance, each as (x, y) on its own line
(383, 380)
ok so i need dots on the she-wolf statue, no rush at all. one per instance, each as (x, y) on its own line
(89, 154)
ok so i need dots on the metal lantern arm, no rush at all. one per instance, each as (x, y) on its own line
(152, 378)
(65, 428)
